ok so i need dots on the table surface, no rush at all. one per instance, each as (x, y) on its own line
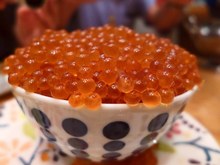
(203, 106)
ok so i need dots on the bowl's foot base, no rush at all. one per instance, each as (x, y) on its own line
(145, 158)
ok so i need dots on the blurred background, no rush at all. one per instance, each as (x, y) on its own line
(183, 21)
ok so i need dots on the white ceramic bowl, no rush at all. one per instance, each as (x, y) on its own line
(115, 131)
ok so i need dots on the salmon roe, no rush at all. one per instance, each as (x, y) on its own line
(103, 65)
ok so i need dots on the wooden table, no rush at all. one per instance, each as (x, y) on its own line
(204, 105)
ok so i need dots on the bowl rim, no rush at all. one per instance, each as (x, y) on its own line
(21, 92)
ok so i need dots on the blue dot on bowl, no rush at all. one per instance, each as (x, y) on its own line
(50, 137)
(80, 153)
(111, 155)
(74, 127)
(41, 118)
(149, 138)
(114, 145)
(78, 143)
(158, 122)
(116, 130)
(139, 150)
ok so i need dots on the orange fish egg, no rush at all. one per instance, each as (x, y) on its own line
(103, 65)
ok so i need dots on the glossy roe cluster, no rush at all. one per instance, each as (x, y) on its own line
(103, 65)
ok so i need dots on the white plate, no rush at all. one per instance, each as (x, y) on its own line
(187, 143)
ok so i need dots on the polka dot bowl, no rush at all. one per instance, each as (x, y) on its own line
(115, 131)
